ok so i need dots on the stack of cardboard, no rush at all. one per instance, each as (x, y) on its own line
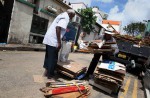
(109, 76)
(71, 69)
(97, 46)
(83, 51)
(100, 47)
(67, 89)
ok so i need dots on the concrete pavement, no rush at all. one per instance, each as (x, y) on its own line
(21, 76)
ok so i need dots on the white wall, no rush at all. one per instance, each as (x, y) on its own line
(20, 24)
(95, 10)
(78, 6)
(97, 14)
(53, 3)
(99, 18)
(89, 37)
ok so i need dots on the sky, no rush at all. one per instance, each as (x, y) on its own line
(126, 11)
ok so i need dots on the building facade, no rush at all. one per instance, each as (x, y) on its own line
(97, 14)
(5, 17)
(31, 18)
(27, 20)
(79, 5)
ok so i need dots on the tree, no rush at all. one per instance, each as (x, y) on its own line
(88, 19)
(134, 28)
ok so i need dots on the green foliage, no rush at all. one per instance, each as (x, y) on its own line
(139, 36)
(134, 28)
(88, 19)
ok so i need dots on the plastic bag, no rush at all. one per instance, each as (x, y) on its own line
(82, 45)
(64, 52)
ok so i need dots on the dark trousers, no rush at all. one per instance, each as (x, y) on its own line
(94, 62)
(51, 58)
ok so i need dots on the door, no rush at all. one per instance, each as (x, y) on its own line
(5, 17)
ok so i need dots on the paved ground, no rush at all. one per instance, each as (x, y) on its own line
(21, 76)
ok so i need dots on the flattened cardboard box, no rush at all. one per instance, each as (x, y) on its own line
(71, 68)
(112, 68)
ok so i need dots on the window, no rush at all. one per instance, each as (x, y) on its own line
(39, 25)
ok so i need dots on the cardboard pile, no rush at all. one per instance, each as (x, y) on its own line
(67, 89)
(97, 46)
(109, 76)
(83, 51)
(71, 69)
(100, 47)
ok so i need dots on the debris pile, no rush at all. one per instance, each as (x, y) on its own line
(145, 41)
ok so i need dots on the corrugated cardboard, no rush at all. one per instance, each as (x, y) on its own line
(71, 68)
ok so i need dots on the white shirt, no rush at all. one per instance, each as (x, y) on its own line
(62, 21)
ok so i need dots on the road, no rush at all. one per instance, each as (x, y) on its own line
(21, 76)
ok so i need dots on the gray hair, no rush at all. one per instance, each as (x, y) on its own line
(71, 11)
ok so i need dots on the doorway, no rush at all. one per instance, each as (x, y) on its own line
(5, 17)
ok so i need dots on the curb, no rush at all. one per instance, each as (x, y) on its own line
(22, 48)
